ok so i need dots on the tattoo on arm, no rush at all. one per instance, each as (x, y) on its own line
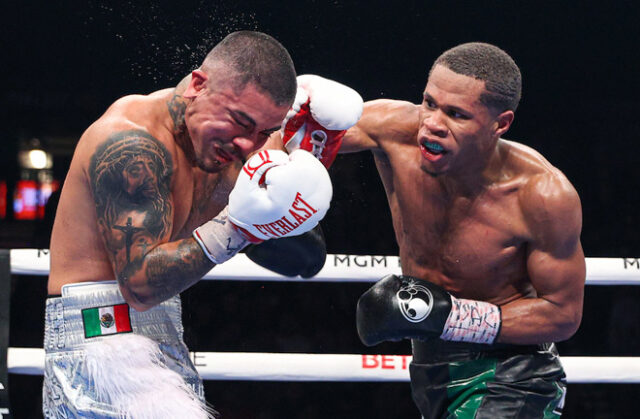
(168, 275)
(130, 175)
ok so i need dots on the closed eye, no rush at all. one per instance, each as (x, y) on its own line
(239, 122)
(269, 131)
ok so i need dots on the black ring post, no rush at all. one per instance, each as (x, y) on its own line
(5, 294)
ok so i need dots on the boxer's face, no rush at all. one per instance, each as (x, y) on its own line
(457, 132)
(227, 125)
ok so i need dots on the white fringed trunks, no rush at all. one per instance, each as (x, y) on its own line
(106, 360)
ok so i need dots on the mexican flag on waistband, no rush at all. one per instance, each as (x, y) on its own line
(109, 320)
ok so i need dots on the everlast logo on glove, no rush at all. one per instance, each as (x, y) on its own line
(300, 211)
(280, 195)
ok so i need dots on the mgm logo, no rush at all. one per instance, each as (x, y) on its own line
(366, 261)
(630, 263)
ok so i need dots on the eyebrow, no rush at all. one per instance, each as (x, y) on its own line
(242, 115)
(427, 96)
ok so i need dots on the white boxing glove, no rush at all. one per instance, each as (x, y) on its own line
(220, 239)
(278, 195)
(320, 115)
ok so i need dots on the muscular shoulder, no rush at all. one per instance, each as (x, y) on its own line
(134, 119)
(382, 121)
(392, 111)
(550, 204)
(391, 119)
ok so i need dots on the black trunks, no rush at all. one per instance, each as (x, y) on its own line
(474, 381)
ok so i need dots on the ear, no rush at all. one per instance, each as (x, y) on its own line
(197, 84)
(503, 122)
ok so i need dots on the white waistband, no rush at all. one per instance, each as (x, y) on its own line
(64, 324)
(80, 288)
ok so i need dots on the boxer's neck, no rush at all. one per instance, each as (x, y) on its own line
(474, 181)
(177, 106)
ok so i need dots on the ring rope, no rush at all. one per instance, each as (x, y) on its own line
(340, 268)
(252, 366)
(340, 367)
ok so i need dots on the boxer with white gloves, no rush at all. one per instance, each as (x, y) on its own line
(268, 201)
(143, 176)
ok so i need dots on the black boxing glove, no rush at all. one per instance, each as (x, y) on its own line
(403, 307)
(302, 255)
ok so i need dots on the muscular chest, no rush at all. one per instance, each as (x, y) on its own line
(459, 239)
(462, 238)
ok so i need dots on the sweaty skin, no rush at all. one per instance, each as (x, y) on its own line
(487, 219)
(145, 175)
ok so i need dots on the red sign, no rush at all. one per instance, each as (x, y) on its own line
(29, 198)
(386, 362)
(25, 200)
(3, 199)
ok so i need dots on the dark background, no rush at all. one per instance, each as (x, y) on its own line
(64, 62)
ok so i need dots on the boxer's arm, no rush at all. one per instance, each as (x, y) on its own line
(383, 121)
(364, 134)
(555, 265)
(130, 174)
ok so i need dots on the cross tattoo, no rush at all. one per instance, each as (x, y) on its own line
(129, 231)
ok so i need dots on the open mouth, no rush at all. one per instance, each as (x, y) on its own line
(432, 151)
(223, 156)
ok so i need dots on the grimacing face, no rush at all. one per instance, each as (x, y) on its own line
(457, 132)
(226, 126)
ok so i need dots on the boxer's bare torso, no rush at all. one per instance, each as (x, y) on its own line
(493, 234)
(471, 242)
(135, 184)
(197, 196)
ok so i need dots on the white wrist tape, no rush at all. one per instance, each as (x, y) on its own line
(472, 321)
(219, 240)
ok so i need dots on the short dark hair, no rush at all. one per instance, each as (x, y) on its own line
(486, 62)
(257, 58)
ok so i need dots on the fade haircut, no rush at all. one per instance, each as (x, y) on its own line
(255, 57)
(486, 62)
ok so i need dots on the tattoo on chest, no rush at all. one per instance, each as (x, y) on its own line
(130, 176)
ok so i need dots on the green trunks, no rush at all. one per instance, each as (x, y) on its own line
(474, 381)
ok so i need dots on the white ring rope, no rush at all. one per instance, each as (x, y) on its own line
(252, 366)
(340, 268)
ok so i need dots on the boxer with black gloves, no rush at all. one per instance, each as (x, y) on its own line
(489, 239)
(402, 307)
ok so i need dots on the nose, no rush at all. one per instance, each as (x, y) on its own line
(433, 122)
(244, 145)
